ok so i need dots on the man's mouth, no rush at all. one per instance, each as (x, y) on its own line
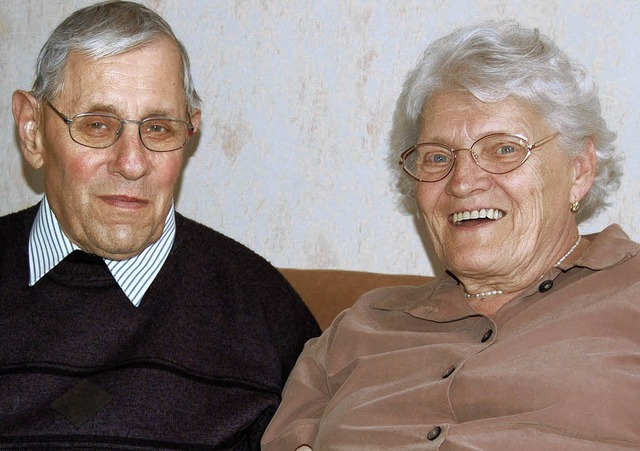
(483, 213)
(124, 201)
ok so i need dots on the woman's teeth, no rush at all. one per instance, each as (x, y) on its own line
(483, 213)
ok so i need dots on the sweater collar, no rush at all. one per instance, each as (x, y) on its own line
(48, 246)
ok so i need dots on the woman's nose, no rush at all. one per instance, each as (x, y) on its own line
(466, 176)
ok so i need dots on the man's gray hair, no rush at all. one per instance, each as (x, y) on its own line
(105, 29)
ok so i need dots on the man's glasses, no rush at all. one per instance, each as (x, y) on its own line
(159, 134)
(497, 153)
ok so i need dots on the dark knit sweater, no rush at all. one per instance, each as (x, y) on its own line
(199, 364)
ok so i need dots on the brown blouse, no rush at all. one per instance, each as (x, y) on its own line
(415, 368)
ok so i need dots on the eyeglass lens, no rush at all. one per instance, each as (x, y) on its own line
(494, 153)
(100, 131)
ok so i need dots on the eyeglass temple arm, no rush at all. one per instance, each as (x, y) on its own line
(60, 115)
(544, 141)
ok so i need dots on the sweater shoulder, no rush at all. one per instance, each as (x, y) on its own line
(208, 244)
(233, 277)
(15, 227)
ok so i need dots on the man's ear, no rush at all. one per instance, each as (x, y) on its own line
(195, 119)
(584, 171)
(26, 115)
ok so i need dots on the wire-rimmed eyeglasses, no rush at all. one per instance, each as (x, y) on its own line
(496, 153)
(99, 131)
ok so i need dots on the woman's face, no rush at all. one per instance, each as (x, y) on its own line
(535, 226)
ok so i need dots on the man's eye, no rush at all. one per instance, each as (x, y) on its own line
(97, 125)
(160, 128)
(156, 128)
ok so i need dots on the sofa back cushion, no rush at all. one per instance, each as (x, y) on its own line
(327, 292)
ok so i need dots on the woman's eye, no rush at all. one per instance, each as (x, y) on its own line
(506, 150)
(437, 158)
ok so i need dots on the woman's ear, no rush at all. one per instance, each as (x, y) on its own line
(26, 114)
(584, 171)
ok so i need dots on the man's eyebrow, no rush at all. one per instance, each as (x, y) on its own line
(110, 109)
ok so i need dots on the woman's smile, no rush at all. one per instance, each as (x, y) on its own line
(492, 214)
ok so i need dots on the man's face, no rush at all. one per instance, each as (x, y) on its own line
(113, 202)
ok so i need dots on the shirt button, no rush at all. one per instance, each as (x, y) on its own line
(545, 286)
(448, 371)
(487, 335)
(434, 433)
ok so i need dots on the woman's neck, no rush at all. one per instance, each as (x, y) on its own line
(490, 301)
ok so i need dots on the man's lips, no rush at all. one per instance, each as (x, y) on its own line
(481, 213)
(123, 201)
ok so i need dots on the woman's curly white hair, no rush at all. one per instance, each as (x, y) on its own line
(496, 60)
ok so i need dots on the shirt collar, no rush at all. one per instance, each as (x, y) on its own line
(442, 300)
(48, 246)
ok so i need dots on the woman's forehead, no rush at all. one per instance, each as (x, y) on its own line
(453, 114)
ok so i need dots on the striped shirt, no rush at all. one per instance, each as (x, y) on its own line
(48, 246)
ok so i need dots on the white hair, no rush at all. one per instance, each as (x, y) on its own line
(496, 60)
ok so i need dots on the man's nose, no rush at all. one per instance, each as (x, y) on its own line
(131, 156)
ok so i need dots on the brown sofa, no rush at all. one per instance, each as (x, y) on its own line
(327, 292)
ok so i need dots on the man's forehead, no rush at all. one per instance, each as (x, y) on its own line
(152, 71)
(156, 49)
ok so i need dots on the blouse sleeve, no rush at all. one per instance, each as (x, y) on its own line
(304, 399)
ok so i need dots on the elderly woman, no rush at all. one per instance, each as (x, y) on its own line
(531, 339)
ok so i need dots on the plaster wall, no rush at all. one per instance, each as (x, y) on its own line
(298, 98)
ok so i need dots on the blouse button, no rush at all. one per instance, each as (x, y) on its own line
(545, 286)
(487, 335)
(448, 371)
(434, 433)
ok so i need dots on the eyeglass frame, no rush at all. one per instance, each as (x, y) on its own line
(529, 148)
(123, 122)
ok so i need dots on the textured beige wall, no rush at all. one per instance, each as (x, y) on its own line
(298, 97)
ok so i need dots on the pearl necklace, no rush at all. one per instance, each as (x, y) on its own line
(484, 294)
(573, 248)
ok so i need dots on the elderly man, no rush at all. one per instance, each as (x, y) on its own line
(124, 324)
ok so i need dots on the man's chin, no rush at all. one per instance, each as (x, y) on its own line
(126, 243)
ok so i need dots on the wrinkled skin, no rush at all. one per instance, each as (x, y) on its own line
(537, 227)
(111, 202)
